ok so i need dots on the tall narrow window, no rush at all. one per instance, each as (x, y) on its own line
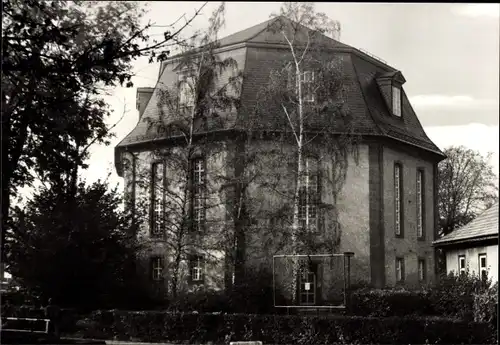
(483, 269)
(196, 264)
(158, 200)
(309, 194)
(400, 270)
(157, 268)
(420, 204)
(398, 202)
(198, 195)
(461, 264)
(396, 101)
(421, 270)
(308, 86)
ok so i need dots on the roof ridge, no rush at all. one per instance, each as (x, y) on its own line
(264, 29)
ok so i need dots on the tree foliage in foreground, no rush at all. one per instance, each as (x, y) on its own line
(81, 254)
(57, 58)
(207, 89)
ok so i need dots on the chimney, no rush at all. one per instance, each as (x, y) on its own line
(142, 98)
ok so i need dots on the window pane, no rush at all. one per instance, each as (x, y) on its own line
(396, 101)
(186, 88)
(308, 193)
(196, 268)
(198, 196)
(158, 199)
(308, 87)
(421, 269)
(461, 261)
(419, 205)
(157, 268)
(397, 197)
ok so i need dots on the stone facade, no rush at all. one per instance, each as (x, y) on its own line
(364, 206)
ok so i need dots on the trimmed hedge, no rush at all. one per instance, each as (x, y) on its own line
(464, 297)
(280, 329)
(382, 303)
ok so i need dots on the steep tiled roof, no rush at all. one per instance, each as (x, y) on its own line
(407, 127)
(485, 225)
(369, 110)
(260, 33)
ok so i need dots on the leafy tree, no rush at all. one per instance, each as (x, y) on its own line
(82, 255)
(467, 186)
(57, 57)
(207, 89)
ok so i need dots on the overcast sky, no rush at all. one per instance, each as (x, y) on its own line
(448, 53)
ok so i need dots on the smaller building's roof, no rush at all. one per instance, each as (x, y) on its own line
(484, 226)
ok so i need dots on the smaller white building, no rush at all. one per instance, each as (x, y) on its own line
(473, 247)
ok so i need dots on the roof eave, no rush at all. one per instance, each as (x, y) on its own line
(450, 242)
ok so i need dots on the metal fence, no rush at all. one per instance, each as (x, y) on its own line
(311, 281)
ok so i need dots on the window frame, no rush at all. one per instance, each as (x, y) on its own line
(307, 86)
(400, 259)
(485, 268)
(397, 101)
(460, 269)
(197, 264)
(183, 79)
(420, 206)
(421, 269)
(398, 200)
(155, 199)
(311, 199)
(157, 269)
(198, 205)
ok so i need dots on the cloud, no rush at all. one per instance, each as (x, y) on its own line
(478, 10)
(443, 101)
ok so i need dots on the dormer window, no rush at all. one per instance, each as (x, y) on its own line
(390, 86)
(308, 86)
(186, 88)
(396, 101)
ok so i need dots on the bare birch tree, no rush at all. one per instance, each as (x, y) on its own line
(306, 98)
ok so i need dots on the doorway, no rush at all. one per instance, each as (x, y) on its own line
(307, 283)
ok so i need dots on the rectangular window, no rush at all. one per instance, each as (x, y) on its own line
(309, 194)
(396, 101)
(461, 264)
(420, 204)
(398, 202)
(186, 90)
(158, 200)
(421, 270)
(198, 194)
(157, 268)
(483, 268)
(196, 268)
(308, 86)
(400, 270)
